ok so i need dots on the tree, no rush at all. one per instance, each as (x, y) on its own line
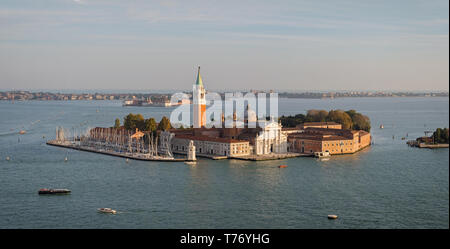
(117, 123)
(322, 116)
(316, 115)
(340, 117)
(351, 113)
(133, 121)
(164, 124)
(292, 121)
(441, 136)
(150, 125)
(360, 122)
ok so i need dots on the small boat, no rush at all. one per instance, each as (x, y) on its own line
(8, 158)
(322, 154)
(66, 159)
(332, 216)
(107, 210)
(381, 126)
(282, 166)
(191, 162)
(21, 132)
(49, 191)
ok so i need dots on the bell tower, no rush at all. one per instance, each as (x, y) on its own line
(199, 102)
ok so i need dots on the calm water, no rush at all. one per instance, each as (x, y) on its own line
(386, 186)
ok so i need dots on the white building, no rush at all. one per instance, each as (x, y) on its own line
(271, 139)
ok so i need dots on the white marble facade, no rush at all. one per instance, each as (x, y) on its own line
(270, 140)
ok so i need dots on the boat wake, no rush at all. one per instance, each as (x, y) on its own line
(9, 133)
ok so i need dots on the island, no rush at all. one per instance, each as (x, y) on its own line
(439, 139)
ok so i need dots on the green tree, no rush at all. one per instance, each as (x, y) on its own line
(441, 136)
(360, 122)
(164, 124)
(133, 121)
(117, 123)
(445, 135)
(316, 115)
(150, 125)
(340, 117)
(292, 121)
(351, 113)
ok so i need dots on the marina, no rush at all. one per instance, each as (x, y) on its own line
(135, 156)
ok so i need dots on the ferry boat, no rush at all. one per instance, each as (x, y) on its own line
(49, 191)
(322, 154)
(107, 210)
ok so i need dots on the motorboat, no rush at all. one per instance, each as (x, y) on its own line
(107, 210)
(282, 166)
(21, 132)
(332, 216)
(322, 154)
(49, 191)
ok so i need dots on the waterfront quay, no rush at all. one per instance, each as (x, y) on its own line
(136, 156)
(271, 156)
(252, 157)
(69, 144)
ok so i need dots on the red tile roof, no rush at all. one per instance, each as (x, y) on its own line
(319, 123)
(318, 137)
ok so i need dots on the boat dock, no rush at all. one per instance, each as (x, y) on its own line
(135, 156)
(414, 143)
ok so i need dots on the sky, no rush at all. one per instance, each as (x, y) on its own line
(282, 45)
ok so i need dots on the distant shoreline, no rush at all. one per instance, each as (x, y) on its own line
(48, 96)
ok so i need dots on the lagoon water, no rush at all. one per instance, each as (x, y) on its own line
(388, 185)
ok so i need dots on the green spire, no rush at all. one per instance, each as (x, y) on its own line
(199, 78)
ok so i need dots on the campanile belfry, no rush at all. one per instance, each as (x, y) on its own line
(199, 102)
